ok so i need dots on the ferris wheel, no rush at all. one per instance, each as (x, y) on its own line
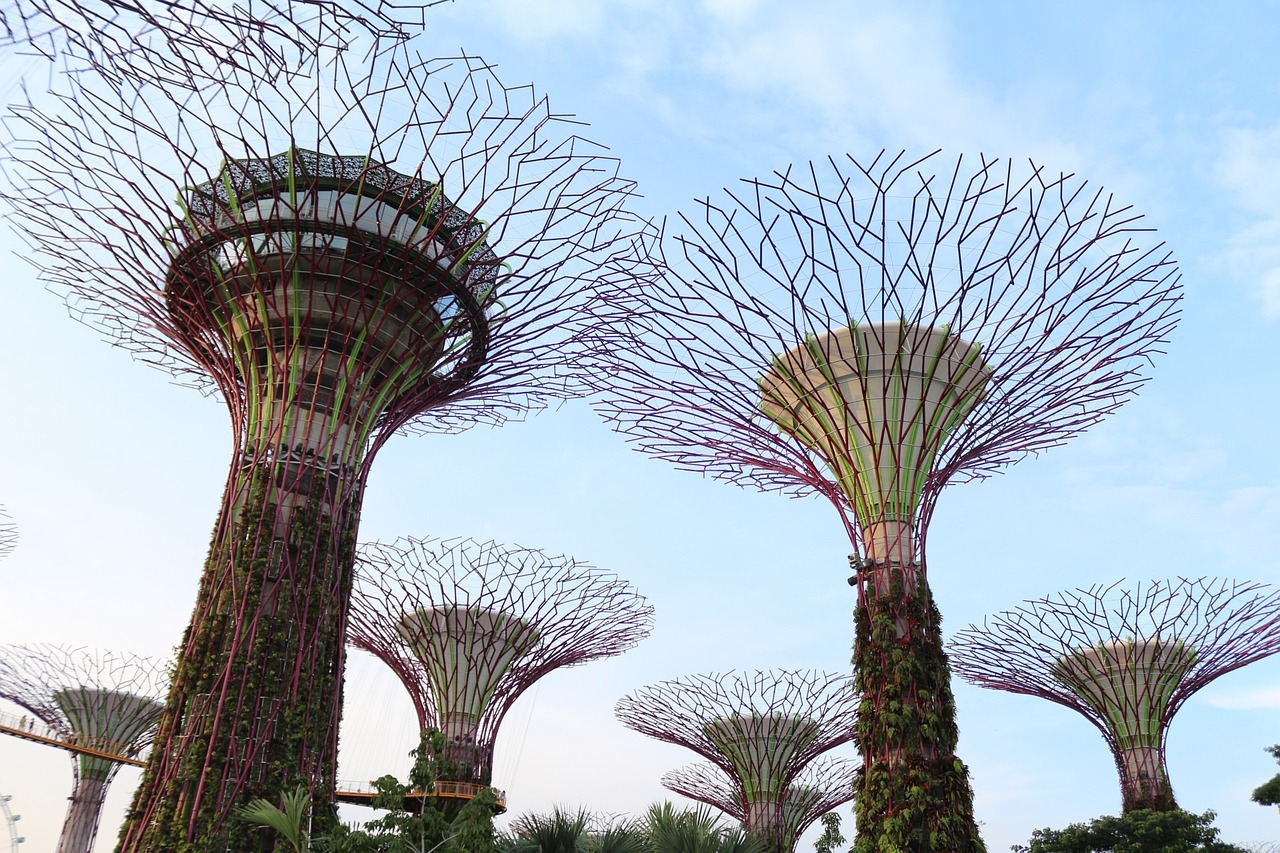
(10, 840)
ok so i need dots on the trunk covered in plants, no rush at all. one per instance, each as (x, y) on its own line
(913, 792)
(256, 696)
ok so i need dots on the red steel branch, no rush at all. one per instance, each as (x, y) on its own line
(468, 626)
(102, 702)
(1126, 658)
(872, 331)
(376, 243)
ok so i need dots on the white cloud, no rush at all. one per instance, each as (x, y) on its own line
(1249, 169)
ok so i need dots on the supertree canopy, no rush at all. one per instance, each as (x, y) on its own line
(468, 626)
(871, 332)
(826, 783)
(761, 729)
(1125, 658)
(102, 703)
(389, 243)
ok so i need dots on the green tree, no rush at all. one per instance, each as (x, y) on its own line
(697, 831)
(1268, 793)
(832, 839)
(1138, 831)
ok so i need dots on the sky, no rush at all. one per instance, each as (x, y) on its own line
(113, 473)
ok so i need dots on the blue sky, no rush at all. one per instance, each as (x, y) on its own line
(113, 474)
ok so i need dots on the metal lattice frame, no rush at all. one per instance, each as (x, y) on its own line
(825, 784)
(872, 332)
(8, 534)
(762, 728)
(468, 626)
(388, 243)
(115, 32)
(105, 701)
(1125, 658)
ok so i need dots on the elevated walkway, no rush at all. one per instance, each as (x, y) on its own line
(32, 729)
(357, 793)
(362, 794)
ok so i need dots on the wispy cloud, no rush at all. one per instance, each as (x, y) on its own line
(1249, 169)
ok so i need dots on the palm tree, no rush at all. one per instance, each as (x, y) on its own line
(288, 821)
(697, 830)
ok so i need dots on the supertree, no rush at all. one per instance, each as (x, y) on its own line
(392, 243)
(8, 534)
(103, 703)
(761, 728)
(468, 626)
(1125, 658)
(825, 784)
(870, 332)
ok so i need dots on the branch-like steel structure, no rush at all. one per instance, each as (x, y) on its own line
(468, 626)
(389, 243)
(108, 702)
(113, 33)
(872, 331)
(826, 783)
(8, 534)
(1125, 658)
(762, 729)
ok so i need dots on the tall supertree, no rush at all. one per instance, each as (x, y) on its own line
(871, 331)
(1125, 658)
(391, 243)
(825, 784)
(468, 626)
(762, 729)
(103, 703)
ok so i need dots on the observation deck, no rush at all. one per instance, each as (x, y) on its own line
(332, 285)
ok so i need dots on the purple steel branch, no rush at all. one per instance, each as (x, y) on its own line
(1215, 626)
(475, 624)
(825, 784)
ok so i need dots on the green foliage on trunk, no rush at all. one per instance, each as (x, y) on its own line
(913, 792)
(259, 668)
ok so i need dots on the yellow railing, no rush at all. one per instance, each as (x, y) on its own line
(32, 729)
(459, 790)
